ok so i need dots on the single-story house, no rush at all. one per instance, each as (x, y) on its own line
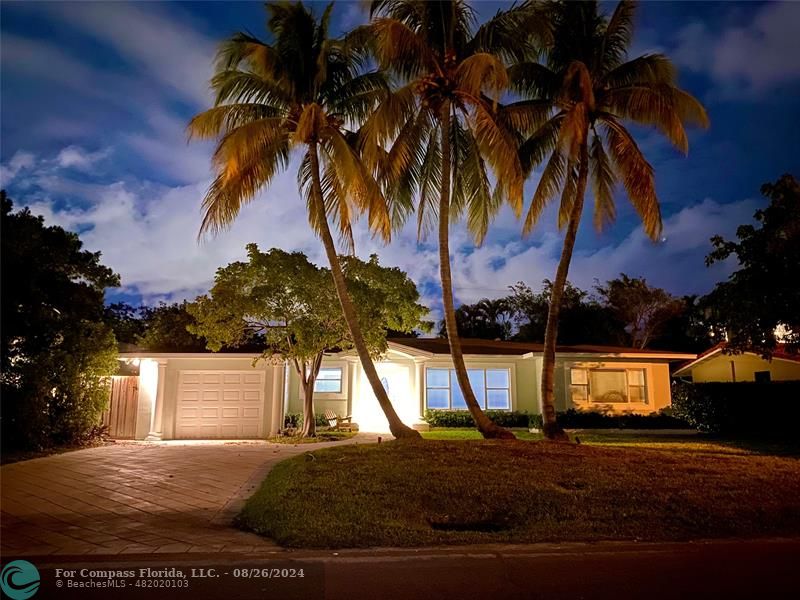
(231, 395)
(715, 365)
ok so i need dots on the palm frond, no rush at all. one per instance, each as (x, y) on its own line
(636, 174)
(603, 181)
(499, 146)
(647, 69)
(533, 80)
(221, 120)
(398, 48)
(242, 87)
(618, 35)
(661, 105)
(535, 149)
(524, 117)
(482, 72)
(568, 193)
(549, 184)
(430, 177)
(500, 35)
(233, 188)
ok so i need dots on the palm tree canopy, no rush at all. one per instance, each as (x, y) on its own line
(582, 97)
(303, 88)
(437, 56)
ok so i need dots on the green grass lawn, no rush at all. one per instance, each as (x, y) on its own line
(474, 491)
(688, 441)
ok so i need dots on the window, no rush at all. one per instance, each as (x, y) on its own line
(762, 376)
(607, 386)
(329, 381)
(492, 389)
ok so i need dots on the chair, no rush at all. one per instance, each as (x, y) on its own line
(338, 423)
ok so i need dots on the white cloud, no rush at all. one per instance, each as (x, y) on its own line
(76, 157)
(160, 45)
(20, 161)
(755, 57)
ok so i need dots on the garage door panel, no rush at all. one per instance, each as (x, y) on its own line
(223, 404)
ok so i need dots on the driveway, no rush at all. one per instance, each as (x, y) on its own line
(137, 498)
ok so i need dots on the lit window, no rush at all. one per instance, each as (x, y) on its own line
(329, 381)
(607, 386)
(492, 388)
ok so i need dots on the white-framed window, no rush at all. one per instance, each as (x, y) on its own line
(607, 386)
(492, 387)
(329, 381)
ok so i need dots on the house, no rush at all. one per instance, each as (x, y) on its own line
(231, 395)
(715, 365)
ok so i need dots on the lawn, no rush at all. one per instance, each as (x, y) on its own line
(460, 492)
(688, 441)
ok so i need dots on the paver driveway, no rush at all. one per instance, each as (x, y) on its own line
(130, 498)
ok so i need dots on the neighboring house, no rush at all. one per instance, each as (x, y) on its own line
(229, 396)
(715, 365)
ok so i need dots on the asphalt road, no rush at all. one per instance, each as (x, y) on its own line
(724, 569)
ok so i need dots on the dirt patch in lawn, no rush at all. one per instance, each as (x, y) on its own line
(443, 492)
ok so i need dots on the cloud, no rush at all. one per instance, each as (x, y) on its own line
(155, 41)
(77, 158)
(754, 57)
(20, 161)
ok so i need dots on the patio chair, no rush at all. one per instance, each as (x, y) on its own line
(338, 423)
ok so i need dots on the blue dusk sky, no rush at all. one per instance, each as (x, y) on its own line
(96, 97)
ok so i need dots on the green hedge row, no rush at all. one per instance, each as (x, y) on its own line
(739, 408)
(462, 418)
(571, 419)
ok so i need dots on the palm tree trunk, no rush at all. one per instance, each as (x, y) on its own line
(396, 426)
(485, 425)
(550, 427)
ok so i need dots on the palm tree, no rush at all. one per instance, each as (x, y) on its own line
(443, 131)
(576, 107)
(297, 93)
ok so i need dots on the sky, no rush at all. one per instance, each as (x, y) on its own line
(95, 98)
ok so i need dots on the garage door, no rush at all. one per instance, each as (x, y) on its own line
(220, 404)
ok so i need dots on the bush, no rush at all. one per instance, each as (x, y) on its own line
(462, 418)
(295, 420)
(739, 408)
(594, 419)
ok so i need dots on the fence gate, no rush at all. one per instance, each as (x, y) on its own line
(121, 414)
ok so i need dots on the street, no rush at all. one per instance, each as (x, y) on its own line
(720, 569)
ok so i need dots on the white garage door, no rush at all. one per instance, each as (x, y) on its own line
(220, 404)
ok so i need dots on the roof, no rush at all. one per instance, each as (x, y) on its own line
(472, 346)
(780, 353)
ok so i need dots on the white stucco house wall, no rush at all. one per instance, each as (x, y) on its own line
(234, 396)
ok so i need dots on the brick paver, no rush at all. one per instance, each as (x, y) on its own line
(136, 498)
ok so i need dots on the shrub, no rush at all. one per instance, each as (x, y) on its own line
(594, 419)
(739, 408)
(295, 420)
(462, 418)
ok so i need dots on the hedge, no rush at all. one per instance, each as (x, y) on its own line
(462, 418)
(739, 408)
(571, 419)
(296, 420)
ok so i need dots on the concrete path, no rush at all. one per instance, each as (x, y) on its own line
(137, 498)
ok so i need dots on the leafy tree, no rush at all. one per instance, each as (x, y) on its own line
(442, 129)
(762, 297)
(486, 319)
(583, 319)
(643, 309)
(292, 307)
(167, 328)
(689, 330)
(55, 345)
(126, 322)
(576, 106)
(299, 92)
